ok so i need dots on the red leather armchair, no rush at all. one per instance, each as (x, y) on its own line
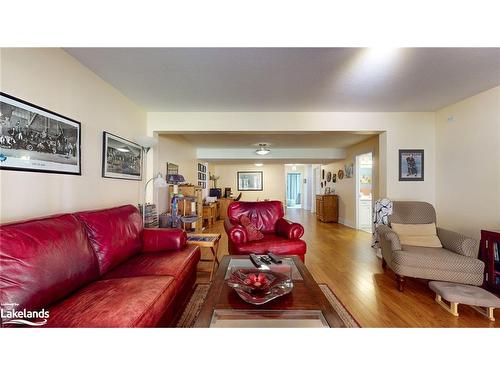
(281, 237)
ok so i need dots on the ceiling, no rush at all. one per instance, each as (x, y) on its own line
(301, 140)
(294, 79)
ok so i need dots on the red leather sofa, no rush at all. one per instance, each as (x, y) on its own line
(96, 269)
(281, 237)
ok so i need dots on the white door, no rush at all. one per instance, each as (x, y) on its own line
(364, 196)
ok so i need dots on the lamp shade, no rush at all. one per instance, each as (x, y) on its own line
(147, 142)
(175, 179)
(159, 182)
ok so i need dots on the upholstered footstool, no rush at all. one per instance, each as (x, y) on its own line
(479, 299)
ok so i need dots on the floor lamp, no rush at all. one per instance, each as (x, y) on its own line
(147, 143)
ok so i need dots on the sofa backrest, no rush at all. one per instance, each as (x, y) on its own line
(262, 214)
(43, 260)
(115, 234)
(410, 212)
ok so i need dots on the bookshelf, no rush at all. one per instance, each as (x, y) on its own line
(490, 254)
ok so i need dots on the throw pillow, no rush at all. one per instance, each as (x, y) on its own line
(253, 233)
(424, 235)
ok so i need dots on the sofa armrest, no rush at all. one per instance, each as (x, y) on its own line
(458, 243)
(236, 232)
(160, 239)
(285, 228)
(388, 238)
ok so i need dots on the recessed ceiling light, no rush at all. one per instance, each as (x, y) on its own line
(259, 164)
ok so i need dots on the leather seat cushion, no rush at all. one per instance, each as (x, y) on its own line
(127, 302)
(273, 243)
(176, 263)
(436, 258)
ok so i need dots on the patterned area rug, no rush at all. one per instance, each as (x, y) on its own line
(193, 307)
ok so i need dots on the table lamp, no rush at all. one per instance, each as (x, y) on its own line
(175, 179)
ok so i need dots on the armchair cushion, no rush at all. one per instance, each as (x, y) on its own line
(417, 234)
(288, 229)
(437, 264)
(236, 232)
(252, 231)
(159, 239)
(458, 243)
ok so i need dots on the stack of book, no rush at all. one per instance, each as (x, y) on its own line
(151, 218)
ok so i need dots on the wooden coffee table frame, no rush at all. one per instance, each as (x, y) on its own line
(306, 295)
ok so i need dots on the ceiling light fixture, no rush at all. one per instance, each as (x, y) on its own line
(263, 149)
(258, 164)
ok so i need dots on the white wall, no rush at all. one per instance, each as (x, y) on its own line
(273, 183)
(400, 130)
(173, 149)
(54, 80)
(346, 188)
(468, 164)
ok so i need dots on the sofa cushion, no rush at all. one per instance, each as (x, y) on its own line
(275, 244)
(164, 263)
(42, 261)
(436, 258)
(115, 234)
(127, 302)
(417, 234)
(263, 214)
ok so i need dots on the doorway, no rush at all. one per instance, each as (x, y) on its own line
(364, 191)
(293, 190)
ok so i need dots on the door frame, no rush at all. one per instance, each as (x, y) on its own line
(357, 184)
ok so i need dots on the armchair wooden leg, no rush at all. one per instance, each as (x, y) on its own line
(401, 282)
(384, 264)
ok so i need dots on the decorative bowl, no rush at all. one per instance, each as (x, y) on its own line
(257, 286)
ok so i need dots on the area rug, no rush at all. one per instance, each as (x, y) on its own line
(193, 307)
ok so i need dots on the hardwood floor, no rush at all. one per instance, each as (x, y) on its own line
(342, 258)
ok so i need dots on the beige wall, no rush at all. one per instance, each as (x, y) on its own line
(173, 149)
(468, 164)
(346, 188)
(54, 80)
(399, 130)
(273, 183)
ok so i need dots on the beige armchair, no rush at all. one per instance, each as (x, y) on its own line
(457, 261)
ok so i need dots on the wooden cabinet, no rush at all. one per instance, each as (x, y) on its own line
(490, 254)
(327, 208)
(224, 204)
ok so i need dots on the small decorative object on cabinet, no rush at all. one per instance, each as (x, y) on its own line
(490, 254)
(189, 206)
(327, 208)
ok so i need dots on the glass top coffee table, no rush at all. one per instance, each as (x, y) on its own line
(305, 306)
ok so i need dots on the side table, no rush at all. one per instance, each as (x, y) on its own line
(209, 240)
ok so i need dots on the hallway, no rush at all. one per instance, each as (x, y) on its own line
(343, 258)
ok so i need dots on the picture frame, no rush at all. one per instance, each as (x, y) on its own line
(250, 180)
(35, 139)
(172, 169)
(349, 170)
(121, 158)
(411, 165)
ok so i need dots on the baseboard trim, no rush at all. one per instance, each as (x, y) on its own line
(347, 223)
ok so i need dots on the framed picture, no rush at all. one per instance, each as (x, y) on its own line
(411, 165)
(327, 190)
(121, 158)
(349, 170)
(250, 181)
(35, 139)
(172, 169)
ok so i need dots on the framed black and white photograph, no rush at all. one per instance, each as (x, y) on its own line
(121, 158)
(250, 181)
(411, 165)
(35, 139)
(172, 169)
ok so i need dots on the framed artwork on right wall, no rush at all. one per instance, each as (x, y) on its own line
(411, 165)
